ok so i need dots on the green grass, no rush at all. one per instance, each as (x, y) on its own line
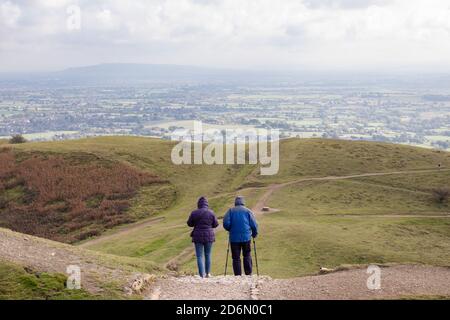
(290, 248)
(332, 223)
(422, 182)
(357, 196)
(317, 157)
(17, 283)
(152, 200)
(14, 195)
(321, 223)
(307, 244)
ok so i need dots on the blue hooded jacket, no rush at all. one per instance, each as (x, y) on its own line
(240, 222)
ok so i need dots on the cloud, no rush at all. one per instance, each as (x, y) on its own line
(327, 34)
(9, 14)
(107, 20)
(344, 4)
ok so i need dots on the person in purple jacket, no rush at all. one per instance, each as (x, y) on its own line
(203, 220)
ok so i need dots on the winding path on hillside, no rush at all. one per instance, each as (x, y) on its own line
(262, 201)
(122, 231)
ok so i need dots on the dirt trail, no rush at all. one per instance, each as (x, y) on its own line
(396, 281)
(262, 201)
(185, 255)
(123, 231)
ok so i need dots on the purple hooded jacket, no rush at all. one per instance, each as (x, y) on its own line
(203, 220)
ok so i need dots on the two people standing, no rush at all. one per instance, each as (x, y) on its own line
(239, 221)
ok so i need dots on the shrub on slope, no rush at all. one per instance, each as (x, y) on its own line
(66, 199)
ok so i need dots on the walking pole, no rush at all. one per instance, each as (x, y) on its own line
(226, 263)
(256, 257)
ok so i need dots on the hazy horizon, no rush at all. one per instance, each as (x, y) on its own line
(399, 72)
(304, 35)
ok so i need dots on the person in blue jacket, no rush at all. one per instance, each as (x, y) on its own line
(241, 224)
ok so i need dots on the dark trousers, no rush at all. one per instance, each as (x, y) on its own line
(246, 248)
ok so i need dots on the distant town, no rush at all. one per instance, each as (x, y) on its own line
(399, 115)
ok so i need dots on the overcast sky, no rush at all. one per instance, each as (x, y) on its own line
(277, 34)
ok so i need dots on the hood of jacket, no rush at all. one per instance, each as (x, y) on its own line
(202, 203)
(239, 201)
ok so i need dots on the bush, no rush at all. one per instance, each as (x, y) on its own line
(441, 195)
(3, 203)
(16, 139)
(63, 198)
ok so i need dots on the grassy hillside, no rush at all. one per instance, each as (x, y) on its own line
(152, 155)
(351, 222)
(35, 268)
(18, 283)
(291, 246)
(320, 223)
(187, 182)
(72, 197)
(364, 196)
(301, 158)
